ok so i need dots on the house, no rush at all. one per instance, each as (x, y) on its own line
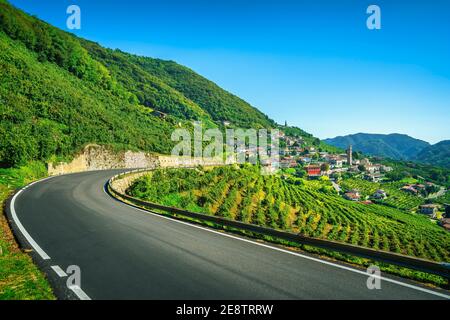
(373, 177)
(284, 152)
(380, 194)
(410, 189)
(429, 209)
(159, 114)
(352, 195)
(313, 171)
(419, 186)
(372, 168)
(445, 223)
(336, 162)
(289, 141)
(288, 163)
(305, 159)
(336, 170)
(385, 168)
(270, 167)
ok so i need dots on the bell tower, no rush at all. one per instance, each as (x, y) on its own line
(350, 155)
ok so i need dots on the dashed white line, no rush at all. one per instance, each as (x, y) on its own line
(60, 272)
(79, 293)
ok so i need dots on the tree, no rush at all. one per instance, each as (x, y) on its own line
(300, 172)
(325, 167)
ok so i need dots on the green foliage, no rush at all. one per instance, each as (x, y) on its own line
(45, 111)
(59, 92)
(394, 146)
(53, 45)
(396, 198)
(445, 199)
(19, 277)
(309, 207)
(218, 103)
(145, 86)
(437, 154)
(407, 169)
(309, 139)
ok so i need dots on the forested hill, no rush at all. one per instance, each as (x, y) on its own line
(395, 146)
(437, 154)
(218, 104)
(59, 92)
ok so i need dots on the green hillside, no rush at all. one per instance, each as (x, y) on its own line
(394, 146)
(44, 111)
(437, 154)
(218, 103)
(59, 93)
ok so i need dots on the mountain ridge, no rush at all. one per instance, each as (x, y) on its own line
(395, 146)
(436, 154)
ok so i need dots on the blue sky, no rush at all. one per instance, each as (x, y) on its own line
(312, 63)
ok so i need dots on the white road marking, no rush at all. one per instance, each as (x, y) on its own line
(24, 232)
(60, 272)
(76, 289)
(79, 293)
(407, 285)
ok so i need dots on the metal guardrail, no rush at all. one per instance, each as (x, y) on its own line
(441, 269)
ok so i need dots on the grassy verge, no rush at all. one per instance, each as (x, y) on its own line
(20, 279)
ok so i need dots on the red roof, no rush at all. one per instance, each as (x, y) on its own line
(313, 170)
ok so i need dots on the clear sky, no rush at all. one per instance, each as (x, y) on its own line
(313, 63)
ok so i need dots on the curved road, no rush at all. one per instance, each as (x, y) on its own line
(125, 253)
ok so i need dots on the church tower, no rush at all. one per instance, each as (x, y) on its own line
(349, 155)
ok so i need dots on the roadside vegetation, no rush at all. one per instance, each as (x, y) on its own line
(20, 279)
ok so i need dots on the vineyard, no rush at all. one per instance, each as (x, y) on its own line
(444, 199)
(396, 198)
(310, 208)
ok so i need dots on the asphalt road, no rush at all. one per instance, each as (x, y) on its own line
(125, 253)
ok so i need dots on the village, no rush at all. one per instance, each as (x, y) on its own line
(316, 164)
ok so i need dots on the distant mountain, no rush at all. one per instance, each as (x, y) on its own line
(437, 154)
(395, 146)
